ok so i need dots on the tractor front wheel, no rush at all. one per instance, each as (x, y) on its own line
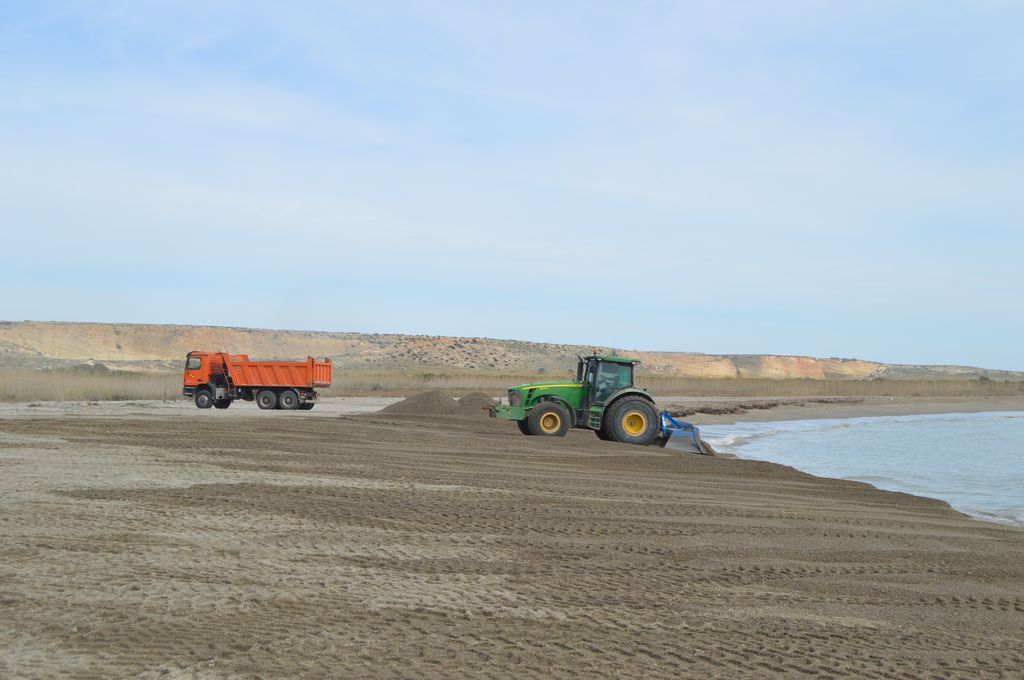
(632, 420)
(548, 420)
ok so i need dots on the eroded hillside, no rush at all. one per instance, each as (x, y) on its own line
(151, 346)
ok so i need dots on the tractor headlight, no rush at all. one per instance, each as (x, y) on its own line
(515, 398)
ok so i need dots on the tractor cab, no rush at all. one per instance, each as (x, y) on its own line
(603, 376)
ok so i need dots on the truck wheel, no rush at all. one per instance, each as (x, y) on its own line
(204, 398)
(288, 400)
(548, 420)
(523, 426)
(308, 406)
(266, 399)
(224, 403)
(632, 420)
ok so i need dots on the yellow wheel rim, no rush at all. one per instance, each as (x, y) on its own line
(550, 422)
(634, 423)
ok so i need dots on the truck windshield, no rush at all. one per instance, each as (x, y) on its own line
(193, 364)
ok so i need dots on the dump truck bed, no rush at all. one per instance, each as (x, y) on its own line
(308, 373)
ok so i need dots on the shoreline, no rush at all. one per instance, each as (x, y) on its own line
(883, 476)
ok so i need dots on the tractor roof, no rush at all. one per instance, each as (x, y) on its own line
(615, 359)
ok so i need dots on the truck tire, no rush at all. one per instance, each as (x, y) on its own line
(548, 420)
(266, 399)
(223, 403)
(204, 398)
(524, 426)
(632, 420)
(288, 400)
(307, 406)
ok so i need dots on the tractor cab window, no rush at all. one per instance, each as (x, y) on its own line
(611, 378)
(193, 364)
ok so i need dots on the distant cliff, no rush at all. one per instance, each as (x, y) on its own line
(151, 346)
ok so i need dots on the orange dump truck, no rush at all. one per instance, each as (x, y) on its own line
(217, 378)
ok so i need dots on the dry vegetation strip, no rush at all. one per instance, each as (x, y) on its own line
(98, 383)
(86, 384)
(398, 382)
(807, 387)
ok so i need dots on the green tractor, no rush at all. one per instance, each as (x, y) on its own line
(604, 399)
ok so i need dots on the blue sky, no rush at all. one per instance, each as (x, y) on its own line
(831, 179)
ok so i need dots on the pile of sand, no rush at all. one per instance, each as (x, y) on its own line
(438, 403)
(474, 404)
(434, 403)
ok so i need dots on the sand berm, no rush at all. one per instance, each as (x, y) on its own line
(437, 403)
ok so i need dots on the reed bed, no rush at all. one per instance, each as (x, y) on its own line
(806, 387)
(393, 382)
(396, 382)
(97, 383)
(91, 383)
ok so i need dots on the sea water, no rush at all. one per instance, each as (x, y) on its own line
(974, 461)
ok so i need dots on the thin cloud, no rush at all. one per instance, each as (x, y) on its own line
(487, 168)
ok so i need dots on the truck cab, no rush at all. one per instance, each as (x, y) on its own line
(205, 379)
(200, 369)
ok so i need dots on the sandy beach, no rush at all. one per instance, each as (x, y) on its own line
(155, 540)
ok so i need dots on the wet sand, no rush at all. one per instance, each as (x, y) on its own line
(141, 541)
(853, 407)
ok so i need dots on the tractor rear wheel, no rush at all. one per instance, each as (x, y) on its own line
(523, 426)
(204, 398)
(548, 420)
(288, 400)
(602, 436)
(632, 420)
(266, 399)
